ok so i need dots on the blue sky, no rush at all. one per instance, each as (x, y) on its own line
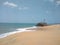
(29, 11)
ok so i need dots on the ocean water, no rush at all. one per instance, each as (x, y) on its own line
(11, 28)
(8, 27)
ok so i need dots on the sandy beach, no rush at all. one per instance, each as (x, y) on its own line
(47, 35)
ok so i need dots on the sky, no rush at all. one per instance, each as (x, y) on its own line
(29, 11)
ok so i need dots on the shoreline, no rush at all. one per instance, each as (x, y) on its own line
(19, 30)
(47, 35)
(28, 29)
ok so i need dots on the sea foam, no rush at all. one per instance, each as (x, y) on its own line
(17, 31)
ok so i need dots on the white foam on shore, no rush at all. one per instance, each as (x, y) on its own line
(26, 28)
(17, 31)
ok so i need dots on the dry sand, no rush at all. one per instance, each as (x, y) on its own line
(48, 35)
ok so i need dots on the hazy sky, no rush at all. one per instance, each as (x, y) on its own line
(29, 11)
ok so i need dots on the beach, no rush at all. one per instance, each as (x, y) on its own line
(47, 35)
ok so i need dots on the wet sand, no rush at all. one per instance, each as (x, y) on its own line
(48, 35)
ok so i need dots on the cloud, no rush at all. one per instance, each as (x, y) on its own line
(58, 2)
(47, 11)
(9, 4)
(13, 5)
(51, 0)
(23, 8)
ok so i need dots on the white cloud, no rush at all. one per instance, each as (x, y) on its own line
(23, 8)
(9, 4)
(13, 5)
(51, 0)
(58, 2)
(47, 12)
(20, 8)
(55, 1)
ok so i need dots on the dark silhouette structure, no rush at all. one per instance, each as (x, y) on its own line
(42, 23)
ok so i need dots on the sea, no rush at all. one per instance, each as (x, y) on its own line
(7, 29)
